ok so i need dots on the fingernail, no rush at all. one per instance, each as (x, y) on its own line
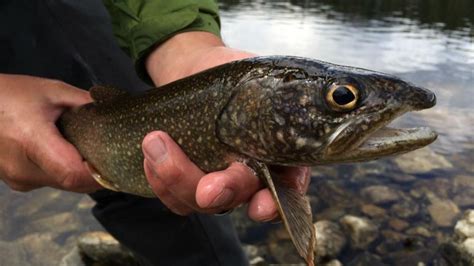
(224, 198)
(155, 150)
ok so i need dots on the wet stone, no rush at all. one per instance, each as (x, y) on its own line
(443, 212)
(465, 227)
(380, 194)
(330, 239)
(398, 224)
(405, 209)
(362, 231)
(60, 223)
(332, 263)
(419, 231)
(403, 178)
(422, 161)
(102, 247)
(365, 259)
(284, 252)
(72, 258)
(456, 255)
(373, 211)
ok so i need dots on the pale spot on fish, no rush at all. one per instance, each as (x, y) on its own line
(300, 142)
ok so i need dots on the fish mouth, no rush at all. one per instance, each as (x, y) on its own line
(379, 140)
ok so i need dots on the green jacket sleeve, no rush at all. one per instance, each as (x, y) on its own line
(140, 25)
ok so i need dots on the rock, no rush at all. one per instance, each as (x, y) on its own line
(60, 223)
(443, 212)
(455, 255)
(464, 198)
(463, 181)
(12, 254)
(334, 194)
(393, 236)
(422, 161)
(284, 252)
(380, 194)
(331, 213)
(398, 224)
(468, 246)
(420, 231)
(465, 227)
(373, 211)
(365, 259)
(412, 257)
(102, 247)
(72, 258)
(329, 238)
(86, 203)
(361, 230)
(332, 263)
(257, 261)
(405, 209)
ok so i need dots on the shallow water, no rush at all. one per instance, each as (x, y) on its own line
(427, 42)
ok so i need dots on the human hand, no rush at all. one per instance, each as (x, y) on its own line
(33, 152)
(178, 182)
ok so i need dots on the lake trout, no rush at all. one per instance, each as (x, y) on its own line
(262, 111)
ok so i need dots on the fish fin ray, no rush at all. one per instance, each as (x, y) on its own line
(102, 94)
(295, 212)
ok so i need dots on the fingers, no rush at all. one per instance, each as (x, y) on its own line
(182, 186)
(262, 206)
(60, 161)
(172, 174)
(228, 188)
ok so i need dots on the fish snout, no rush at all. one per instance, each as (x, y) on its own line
(421, 98)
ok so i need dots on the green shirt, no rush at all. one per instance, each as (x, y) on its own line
(141, 25)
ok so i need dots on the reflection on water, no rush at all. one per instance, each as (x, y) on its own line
(428, 42)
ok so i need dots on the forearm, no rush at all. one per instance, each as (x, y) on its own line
(188, 53)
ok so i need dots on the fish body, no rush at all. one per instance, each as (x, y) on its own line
(263, 111)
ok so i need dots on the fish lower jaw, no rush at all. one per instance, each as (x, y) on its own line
(390, 141)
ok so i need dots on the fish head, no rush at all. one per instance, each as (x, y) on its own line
(307, 112)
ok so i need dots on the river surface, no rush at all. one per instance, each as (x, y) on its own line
(427, 42)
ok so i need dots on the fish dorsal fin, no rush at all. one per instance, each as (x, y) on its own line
(102, 94)
(294, 210)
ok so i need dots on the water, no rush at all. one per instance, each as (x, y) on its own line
(427, 42)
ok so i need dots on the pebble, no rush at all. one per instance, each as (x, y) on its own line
(443, 212)
(405, 209)
(373, 211)
(422, 161)
(330, 239)
(362, 231)
(380, 194)
(61, 223)
(465, 227)
(420, 231)
(398, 224)
(102, 247)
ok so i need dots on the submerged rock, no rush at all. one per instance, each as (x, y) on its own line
(362, 231)
(365, 259)
(330, 239)
(380, 194)
(422, 161)
(104, 248)
(373, 211)
(460, 251)
(465, 227)
(443, 212)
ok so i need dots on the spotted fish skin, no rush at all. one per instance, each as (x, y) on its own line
(262, 111)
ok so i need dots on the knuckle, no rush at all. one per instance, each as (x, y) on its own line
(69, 179)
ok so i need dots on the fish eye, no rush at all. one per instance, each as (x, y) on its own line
(342, 97)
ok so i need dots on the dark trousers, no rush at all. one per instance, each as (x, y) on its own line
(72, 40)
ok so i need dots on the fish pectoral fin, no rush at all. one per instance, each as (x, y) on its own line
(294, 210)
(99, 177)
(102, 94)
